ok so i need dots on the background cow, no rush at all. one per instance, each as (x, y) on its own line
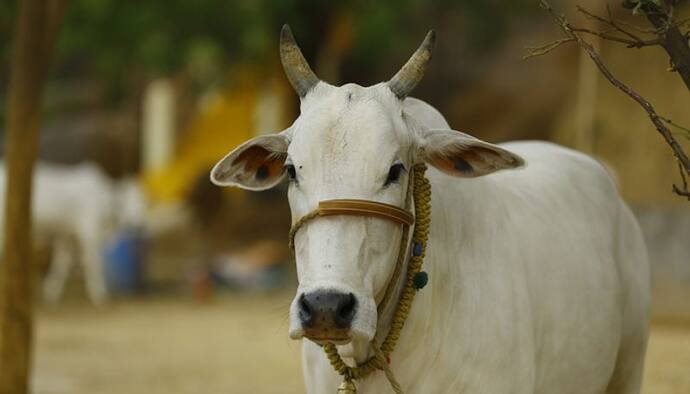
(77, 210)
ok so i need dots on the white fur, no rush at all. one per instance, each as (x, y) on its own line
(539, 278)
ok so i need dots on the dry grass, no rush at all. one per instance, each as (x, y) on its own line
(668, 360)
(235, 344)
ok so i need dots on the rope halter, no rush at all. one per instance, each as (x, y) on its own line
(419, 187)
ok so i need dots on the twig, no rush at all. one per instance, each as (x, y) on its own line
(638, 28)
(628, 42)
(633, 41)
(544, 49)
(609, 21)
(676, 125)
(682, 191)
(681, 156)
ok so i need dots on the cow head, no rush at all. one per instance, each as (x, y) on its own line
(349, 142)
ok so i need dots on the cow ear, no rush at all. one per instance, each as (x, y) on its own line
(459, 154)
(255, 165)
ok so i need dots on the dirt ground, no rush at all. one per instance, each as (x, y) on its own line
(233, 344)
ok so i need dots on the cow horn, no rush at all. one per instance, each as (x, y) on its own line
(298, 72)
(412, 72)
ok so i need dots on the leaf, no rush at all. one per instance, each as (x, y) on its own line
(637, 9)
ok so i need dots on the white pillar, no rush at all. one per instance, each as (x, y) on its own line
(158, 131)
(268, 114)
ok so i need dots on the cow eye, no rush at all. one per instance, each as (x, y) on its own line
(394, 173)
(292, 173)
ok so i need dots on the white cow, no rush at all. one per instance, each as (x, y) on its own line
(539, 279)
(78, 209)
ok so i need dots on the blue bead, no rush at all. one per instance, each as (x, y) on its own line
(420, 280)
(417, 249)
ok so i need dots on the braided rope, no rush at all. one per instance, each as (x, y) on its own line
(383, 363)
(422, 201)
(297, 225)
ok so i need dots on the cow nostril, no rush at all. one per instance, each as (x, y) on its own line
(345, 311)
(305, 311)
(324, 310)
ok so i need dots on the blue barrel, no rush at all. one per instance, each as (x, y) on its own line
(124, 260)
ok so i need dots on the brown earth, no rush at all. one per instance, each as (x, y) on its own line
(233, 344)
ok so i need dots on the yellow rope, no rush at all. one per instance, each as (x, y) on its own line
(297, 225)
(422, 201)
(383, 363)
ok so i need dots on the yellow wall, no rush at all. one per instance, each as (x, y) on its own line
(224, 121)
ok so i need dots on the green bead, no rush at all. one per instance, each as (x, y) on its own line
(420, 280)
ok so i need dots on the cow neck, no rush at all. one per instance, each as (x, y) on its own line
(421, 192)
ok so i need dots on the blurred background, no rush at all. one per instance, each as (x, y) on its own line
(189, 285)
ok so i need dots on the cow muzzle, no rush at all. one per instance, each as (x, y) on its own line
(327, 315)
(338, 317)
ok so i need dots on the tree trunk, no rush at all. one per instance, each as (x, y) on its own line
(34, 35)
(672, 40)
(676, 45)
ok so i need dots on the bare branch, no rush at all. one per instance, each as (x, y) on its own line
(628, 42)
(672, 39)
(638, 29)
(546, 48)
(683, 190)
(681, 156)
(609, 22)
(633, 41)
(676, 125)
